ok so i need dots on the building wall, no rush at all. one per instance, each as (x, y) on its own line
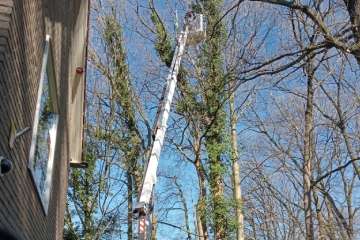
(23, 26)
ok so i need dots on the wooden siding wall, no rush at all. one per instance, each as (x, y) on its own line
(23, 26)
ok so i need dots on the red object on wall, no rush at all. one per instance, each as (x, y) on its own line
(79, 70)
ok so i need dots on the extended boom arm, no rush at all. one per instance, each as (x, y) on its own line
(194, 29)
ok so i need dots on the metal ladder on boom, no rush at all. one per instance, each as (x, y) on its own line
(193, 33)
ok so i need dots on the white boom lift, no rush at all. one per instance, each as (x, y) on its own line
(192, 34)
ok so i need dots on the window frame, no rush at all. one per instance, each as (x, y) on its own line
(47, 67)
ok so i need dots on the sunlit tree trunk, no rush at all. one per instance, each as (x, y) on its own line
(236, 171)
(154, 226)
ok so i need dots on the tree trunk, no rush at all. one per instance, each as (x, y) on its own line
(200, 231)
(236, 171)
(308, 153)
(214, 93)
(214, 148)
(153, 226)
(130, 206)
(88, 232)
(319, 216)
(201, 204)
(338, 226)
(217, 192)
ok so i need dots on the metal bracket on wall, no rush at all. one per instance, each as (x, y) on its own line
(14, 134)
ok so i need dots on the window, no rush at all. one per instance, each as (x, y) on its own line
(46, 119)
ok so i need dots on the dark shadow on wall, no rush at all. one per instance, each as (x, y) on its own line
(60, 13)
(6, 236)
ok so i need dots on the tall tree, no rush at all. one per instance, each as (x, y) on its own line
(236, 169)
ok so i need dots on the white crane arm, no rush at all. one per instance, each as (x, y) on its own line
(194, 27)
(150, 176)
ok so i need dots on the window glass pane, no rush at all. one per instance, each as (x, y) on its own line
(47, 122)
(42, 150)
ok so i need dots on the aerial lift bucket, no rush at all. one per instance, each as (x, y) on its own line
(196, 28)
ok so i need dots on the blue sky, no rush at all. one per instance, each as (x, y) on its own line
(149, 74)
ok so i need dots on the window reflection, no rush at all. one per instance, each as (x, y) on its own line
(43, 140)
(45, 127)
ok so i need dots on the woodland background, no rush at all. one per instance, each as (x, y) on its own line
(263, 139)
